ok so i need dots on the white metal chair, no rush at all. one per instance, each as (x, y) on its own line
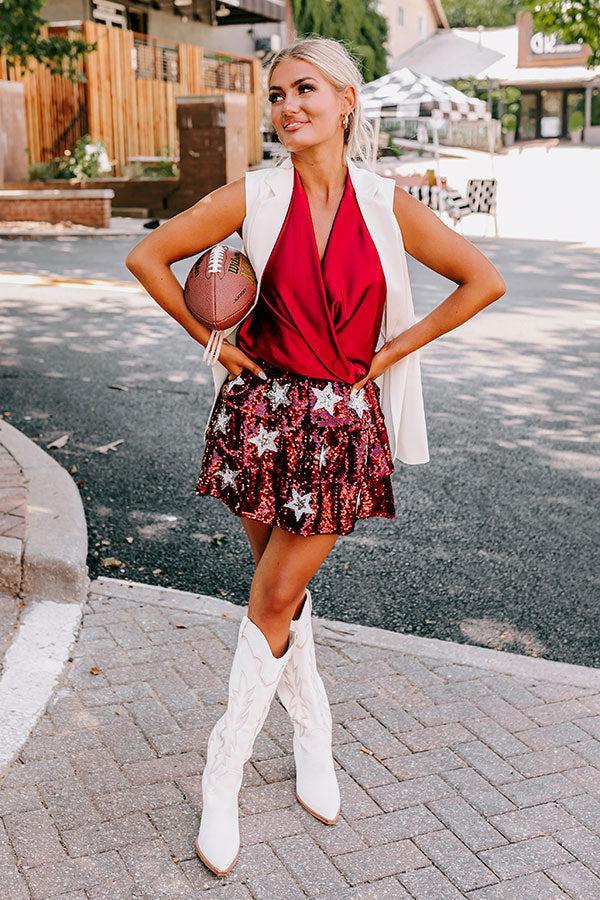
(480, 198)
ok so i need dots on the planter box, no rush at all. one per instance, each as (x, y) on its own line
(148, 194)
(79, 205)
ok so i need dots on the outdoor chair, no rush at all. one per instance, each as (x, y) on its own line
(480, 198)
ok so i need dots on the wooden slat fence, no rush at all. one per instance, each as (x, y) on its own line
(129, 96)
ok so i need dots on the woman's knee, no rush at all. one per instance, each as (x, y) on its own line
(276, 598)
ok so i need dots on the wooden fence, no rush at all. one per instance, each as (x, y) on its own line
(128, 96)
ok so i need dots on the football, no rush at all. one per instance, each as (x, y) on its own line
(220, 287)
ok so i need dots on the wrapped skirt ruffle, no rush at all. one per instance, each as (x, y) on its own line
(298, 452)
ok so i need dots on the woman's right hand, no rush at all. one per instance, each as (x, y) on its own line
(235, 361)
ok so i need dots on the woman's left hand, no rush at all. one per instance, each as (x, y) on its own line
(379, 364)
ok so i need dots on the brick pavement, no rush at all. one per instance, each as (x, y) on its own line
(457, 781)
(13, 494)
(13, 498)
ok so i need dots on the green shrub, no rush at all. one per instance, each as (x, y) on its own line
(509, 122)
(576, 120)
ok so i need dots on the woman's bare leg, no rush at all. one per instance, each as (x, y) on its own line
(286, 565)
(258, 534)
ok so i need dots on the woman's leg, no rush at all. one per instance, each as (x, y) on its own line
(258, 534)
(284, 569)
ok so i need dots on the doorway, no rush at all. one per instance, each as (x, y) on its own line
(551, 114)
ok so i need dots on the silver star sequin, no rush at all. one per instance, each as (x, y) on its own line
(228, 475)
(358, 500)
(357, 402)
(221, 421)
(326, 398)
(323, 455)
(277, 394)
(230, 384)
(299, 503)
(264, 440)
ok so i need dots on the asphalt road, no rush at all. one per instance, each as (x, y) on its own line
(496, 538)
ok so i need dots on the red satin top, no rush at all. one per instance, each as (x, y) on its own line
(315, 318)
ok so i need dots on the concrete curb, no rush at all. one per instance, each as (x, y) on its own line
(54, 235)
(55, 548)
(32, 666)
(53, 582)
(447, 651)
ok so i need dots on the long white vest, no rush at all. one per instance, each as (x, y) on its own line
(268, 196)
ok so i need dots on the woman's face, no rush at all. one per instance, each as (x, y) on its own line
(305, 107)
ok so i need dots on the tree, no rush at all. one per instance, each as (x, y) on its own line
(572, 21)
(21, 36)
(489, 13)
(356, 23)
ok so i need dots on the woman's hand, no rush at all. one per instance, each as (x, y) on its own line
(235, 361)
(380, 362)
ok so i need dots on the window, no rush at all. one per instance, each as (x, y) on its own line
(401, 16)
(420, 26)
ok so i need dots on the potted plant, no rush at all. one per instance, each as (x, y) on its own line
(509, 127)
(576, 123)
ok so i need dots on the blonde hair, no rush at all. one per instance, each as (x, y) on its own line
(340, 68)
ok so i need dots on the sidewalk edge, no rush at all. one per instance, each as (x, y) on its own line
(55, 547)
(450, 652)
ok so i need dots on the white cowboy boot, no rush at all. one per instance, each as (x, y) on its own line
(253, 680)
(302, 692)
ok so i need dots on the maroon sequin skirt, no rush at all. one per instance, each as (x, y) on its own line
(298, 452)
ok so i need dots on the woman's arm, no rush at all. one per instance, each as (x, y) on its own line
(439, 247)
(204, 224)
(207, 222)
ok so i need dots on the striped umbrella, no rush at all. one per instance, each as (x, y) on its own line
(407, 94)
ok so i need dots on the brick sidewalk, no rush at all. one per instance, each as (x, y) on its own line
(13, 498)
(456, 781)
(13, 493)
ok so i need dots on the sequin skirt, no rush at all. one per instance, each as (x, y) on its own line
(298, 452)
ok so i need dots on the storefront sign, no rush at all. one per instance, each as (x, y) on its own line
(539, 49)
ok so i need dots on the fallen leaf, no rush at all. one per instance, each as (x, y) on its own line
(111, 446)
(94, 670)
(59, 442)
(111, 562)
(180, 625)
(118, 387)
(129, 539)
(72, 469)
(156, 571)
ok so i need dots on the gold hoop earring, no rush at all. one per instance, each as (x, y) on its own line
(345, 120)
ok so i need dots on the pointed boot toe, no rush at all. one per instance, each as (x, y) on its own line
(317, 788)
(218, 841)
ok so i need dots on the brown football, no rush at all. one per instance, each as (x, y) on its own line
(220, 287)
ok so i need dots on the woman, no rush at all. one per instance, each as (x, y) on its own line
(298, 444)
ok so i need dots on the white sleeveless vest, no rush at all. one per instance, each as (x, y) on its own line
(268, 196)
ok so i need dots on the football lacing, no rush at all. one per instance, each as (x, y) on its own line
(215, 260)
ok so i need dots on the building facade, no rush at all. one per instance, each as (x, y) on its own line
(552, 77)
(244, 27)
(410, 22)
